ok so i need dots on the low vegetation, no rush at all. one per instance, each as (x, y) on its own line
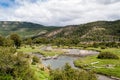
(38, 50)
(107, 66)
(18, 66)
(68, 73)
(107, 55)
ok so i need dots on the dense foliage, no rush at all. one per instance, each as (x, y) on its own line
(68, 73)
(100, 31)
(6, 42)
(16, 39)
(96, 34)
(107, 55)
(15, 66)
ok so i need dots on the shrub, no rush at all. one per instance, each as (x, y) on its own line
(35, 60)
(68, 73)
(33, 47)
(103, 47)
(107, 55)
(15, 67)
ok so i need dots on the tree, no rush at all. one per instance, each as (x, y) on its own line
(29, 41)
(17, 40)
(1, 41)
(15, 66)
(8, 42)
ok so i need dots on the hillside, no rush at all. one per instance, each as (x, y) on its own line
(24, 29)
(94, 31)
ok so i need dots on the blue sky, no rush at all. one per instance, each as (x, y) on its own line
(6, 3)
(59, 12)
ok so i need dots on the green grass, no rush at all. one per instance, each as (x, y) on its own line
(102, 64)
(39, 74)
(37, 49)
(29, 49)
(50, 53)
(112, 50)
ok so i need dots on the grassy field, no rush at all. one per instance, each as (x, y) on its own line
(40, 74)
(110, 67)
(28, 49)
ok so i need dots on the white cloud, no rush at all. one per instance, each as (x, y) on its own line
(62, 12)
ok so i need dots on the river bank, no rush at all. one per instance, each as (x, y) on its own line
(109, 67)
(77, 52)
(62, 60)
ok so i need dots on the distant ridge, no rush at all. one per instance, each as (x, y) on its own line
(24, 29)
(93, 31)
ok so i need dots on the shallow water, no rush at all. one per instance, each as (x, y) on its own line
(62, 60)
(59, 62)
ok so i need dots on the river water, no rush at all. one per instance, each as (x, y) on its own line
(59, 62)
(62, 60)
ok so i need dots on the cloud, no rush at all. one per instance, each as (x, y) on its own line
(61, 12)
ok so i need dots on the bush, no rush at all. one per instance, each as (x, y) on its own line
(35, 60)
(15, 67)
(107, 55)
(103, 47)
(68, 73)
(33, 47)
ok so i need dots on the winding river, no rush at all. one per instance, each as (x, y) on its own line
(61, 60)
(69, 57)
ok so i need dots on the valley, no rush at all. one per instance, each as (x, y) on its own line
(59, 39)
(58, 53)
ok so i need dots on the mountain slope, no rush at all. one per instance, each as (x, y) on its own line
(95, 31)
(25, 29)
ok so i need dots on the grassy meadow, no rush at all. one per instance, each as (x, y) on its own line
(110, 67)
(37, 49)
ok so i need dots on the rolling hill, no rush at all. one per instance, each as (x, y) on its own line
(24, 29)
(94, 31)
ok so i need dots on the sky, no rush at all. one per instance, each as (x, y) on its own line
(59, 12)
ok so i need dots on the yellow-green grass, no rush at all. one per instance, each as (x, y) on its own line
(40, 74)
(29, 49)
(110, 67)
(112, 50)
(37, 49)
(50, 53)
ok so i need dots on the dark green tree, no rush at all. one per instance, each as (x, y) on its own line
(29, 41)
(8, 42)
(1, 41)
(17, 40)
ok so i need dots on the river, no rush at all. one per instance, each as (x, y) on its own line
(61, 60)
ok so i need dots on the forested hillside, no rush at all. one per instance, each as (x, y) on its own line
(95, 31)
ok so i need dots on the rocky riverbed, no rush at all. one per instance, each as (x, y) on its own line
(78, 52)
